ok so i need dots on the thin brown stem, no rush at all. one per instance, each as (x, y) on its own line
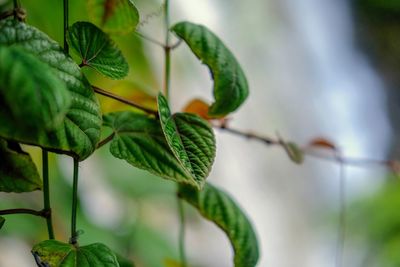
(106, 140)
(124, 100)
(356, 162)
(41, 213)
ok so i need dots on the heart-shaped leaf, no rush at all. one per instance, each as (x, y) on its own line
(139, 140)
(230, 83)
(97, 50)
(80, 131)
(191, 139)
(32, 97)
(218, 207)
(18, 173)
(2, 221)
(114, 16)
(52, 253)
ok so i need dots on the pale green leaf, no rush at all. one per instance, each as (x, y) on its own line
(230, 83)
(97, 50)
(218, 207)
(294, 152)
(80, 131)
(32, 97)
(114, 16)
(18, 173)
(191, 139)
(52, 253)
(2, 221)
(139, 140)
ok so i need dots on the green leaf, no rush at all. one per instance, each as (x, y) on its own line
(2, 221)
(123, 262)
(218, 207)
(32, 97)
(191, 139)
(18, 173)
(52, 253)
(80, 130)
(139, 140)
(230, 83)
(97, 50)
(114, 16)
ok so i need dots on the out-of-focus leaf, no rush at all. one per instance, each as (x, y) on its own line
(52, 253)
(97, 50)
(123, 262)
(80, 130)
(131, 91)
(114, 16)
(218, 207)
(294, 152)
(18, 173)
(139, 140)
(198, 107)
(230, 83)
(32, 97)
(172, 263)
(191, 139)
(2, 221)
(323, 143)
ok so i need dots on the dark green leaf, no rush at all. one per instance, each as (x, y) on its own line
(230, 84)
(140, 141)
(191, 139)
(114, 16)
(97, 50)
(2, 221)
(18, 173)
(218, 207)
(32, 97)
(52, 253)
(80, 130)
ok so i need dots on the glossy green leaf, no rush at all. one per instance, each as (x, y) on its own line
(191, 139)
(18, 173)
(2, 221)
(139, 140)
(218, 207)
(80, 131)
(97, 50)
(114, 16)
(32, 97)
(230, 83)
(52, 253)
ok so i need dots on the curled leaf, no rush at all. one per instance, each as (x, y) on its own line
(230, 83)
(218, 207)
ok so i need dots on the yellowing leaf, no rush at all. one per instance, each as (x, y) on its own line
(198, 107)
